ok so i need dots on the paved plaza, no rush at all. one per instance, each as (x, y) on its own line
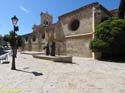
(43, 76)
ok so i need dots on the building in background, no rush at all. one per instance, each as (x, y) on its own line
(71, 34)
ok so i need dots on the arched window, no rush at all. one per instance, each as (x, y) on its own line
(26, 38)
(43, 35)
(34, 38)
(46, 23)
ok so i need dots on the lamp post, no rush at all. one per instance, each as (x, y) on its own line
(14, 22)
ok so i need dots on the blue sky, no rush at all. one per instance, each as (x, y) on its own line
(28, 11)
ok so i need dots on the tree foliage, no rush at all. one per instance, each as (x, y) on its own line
(109, 37)
(2, 42)
(10, 38)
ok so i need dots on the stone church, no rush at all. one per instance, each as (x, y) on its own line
(71, 34)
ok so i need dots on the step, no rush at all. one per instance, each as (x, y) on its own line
(64, 59)
(32, 53)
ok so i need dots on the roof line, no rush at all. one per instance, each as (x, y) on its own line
(83, 7)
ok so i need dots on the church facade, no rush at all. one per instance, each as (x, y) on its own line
(70, 35)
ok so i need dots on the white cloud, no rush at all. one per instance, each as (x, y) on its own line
(24, 9)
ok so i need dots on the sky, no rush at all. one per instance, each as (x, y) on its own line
(28, 11)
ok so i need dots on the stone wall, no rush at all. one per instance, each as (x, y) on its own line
(77, 42)
(60, 48)
(78, 46)
(100, 14)
(26, 48)
(85, 18)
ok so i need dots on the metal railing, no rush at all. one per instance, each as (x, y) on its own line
(4, 58)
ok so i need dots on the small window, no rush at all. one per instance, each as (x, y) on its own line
(26, 38)
(34, 39)
(74, 25)
(46, 23)
(43, 35)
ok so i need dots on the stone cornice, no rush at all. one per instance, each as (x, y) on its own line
(79, 35)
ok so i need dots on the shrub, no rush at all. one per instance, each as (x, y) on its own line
(109, 37)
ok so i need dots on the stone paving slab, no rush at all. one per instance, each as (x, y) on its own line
(43, 76)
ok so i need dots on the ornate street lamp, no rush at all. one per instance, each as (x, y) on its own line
(14, 22)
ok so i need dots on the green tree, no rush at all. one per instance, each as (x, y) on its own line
(10, 38)
(110, 37)
(121, 9)
(2, 42)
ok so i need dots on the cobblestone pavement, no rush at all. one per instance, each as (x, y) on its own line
(42, 76)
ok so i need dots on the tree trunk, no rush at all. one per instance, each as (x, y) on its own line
(121, 9)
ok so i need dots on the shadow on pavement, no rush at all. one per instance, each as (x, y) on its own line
(5, 62)
(114, 60)
(34, 73)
